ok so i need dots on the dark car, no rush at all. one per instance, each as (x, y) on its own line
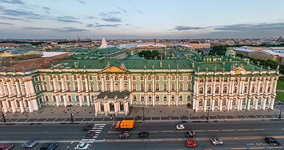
(49, 146)
(29, 144)
(124, 134)
(88, 127)
(90, 134)
(190, 134)
(6, 146)
(143, 135)
(271, 141)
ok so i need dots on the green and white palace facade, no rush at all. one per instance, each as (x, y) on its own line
(201, 82)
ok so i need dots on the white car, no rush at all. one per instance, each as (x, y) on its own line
(82, 146)
(180, 127)
(216, 141)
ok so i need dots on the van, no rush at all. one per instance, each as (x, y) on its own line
(49, 146)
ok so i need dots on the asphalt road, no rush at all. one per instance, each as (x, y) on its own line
(236, 135)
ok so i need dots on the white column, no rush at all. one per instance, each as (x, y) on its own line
(116, 105)
(13, 106)
(22, 107)
(88, 100)
(57, 100)
(79, 84)
(228, 104)
(87, 84)
(264, 103)
(220, 104)
(169, 99)
(212, 104)
(177, 99)
(256, 102)
(34, 104)
(129, 83)
(205, 105)
(272, 103)
(65, 100)
(30, 106)
(248, 104)
(80, 100)
(19, 94)
(111, 83)
(241, 104)
(146, 99)
(126, 109)
(121, 84)
(96, 108)
(103, 83)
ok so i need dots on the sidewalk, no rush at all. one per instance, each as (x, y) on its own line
(157, 113)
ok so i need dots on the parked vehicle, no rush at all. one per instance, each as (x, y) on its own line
(190, 134)
(49, 146)
(82, 146)
(29, 144)
(216, 141)
(124, 134)
(143, 135)
(180, 127)
(271, 141)
(190, 143)
(88, 127)
(6, 146)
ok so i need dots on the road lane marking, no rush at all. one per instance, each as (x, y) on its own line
(237, 148)
(213, 130)
(275, 147)
(282, 128)
(256, 148)
(257, 129)
(243, 129)
(228, 130)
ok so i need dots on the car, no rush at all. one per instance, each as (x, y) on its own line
(29, 144)
(271, 141)
(90, 134)
(6, 146)
(49, 146)
(124, 134)
(88, 127)
(190, 142)
(190, 134)
(82, 146)
(143, 135)
(216, 141)
(180, 127)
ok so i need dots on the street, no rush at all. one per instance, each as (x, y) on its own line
(235, 135)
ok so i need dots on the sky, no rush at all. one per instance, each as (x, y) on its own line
(139, 19)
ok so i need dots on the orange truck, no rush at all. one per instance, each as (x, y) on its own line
(125, 124)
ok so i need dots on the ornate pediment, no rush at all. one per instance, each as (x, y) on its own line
(114, 69)
(238, 70)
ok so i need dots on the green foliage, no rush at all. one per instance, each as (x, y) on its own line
(280, 96)
(149, 54)
(218, 50)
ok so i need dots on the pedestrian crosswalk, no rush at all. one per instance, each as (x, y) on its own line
(97, 129)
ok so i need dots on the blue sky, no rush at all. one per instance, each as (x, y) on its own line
(141, 18)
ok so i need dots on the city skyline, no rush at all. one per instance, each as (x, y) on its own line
(140, 19)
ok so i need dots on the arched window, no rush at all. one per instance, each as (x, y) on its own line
(121, 106)
(157, 87)
(125, 86)
(142, 98)
(235, 89)
(142, 87)
(134, 98)
(107, 77)
(225, 90)
(102, 107)
(201, 90)
(111, 106)
(149, 87)
(268, 89)
(157, 98)
(150, 98)
(134, 87)
(180, 98)
(188, 98)
(252, 90)
(165, 87)
(209, 90)
(246, 90)
(260, 89)
(217, 90)
(116, 78)
(165, 98)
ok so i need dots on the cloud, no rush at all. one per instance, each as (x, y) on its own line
(64, 29)
(103, 25)
(21, 13)
(5, 23)
(81, 1)
(67, 19)
(11, 18)
(13, 1)
(46, 9)
(182, 28)
(251, 27)
(112, 19)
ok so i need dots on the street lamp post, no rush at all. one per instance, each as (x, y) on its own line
(143, 114)
(208, 114)
(71, 114)
(280, 113)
